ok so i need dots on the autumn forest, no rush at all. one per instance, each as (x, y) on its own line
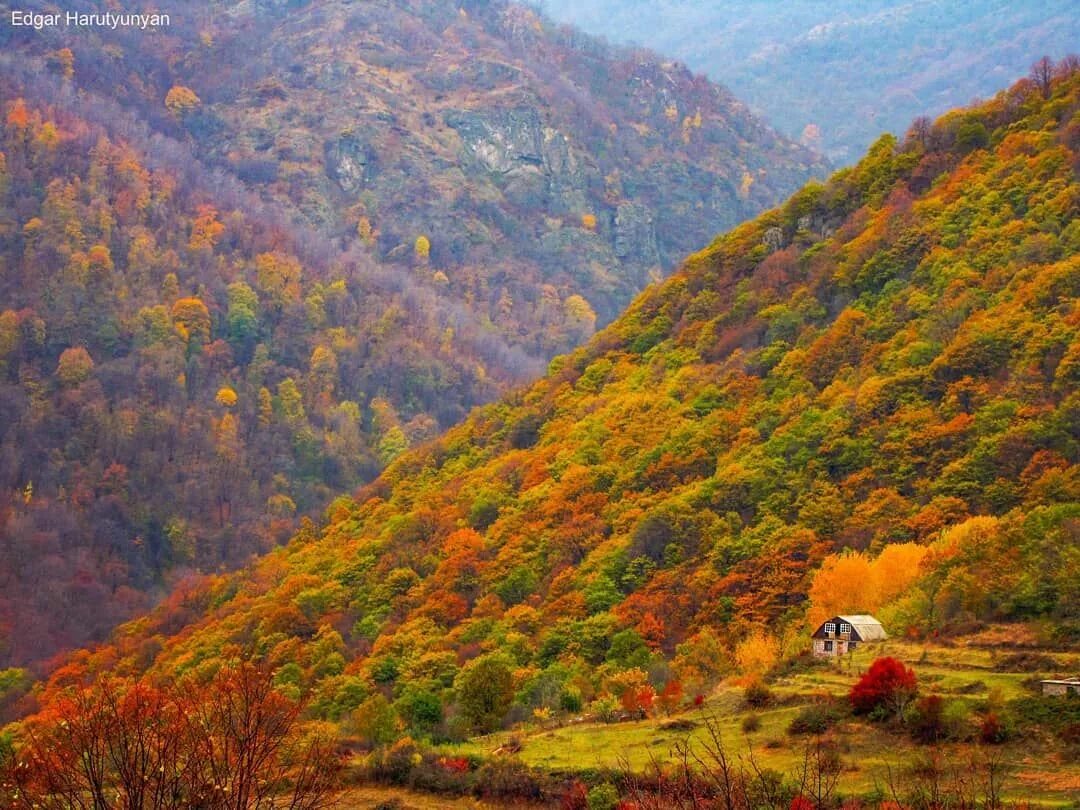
(440, 404)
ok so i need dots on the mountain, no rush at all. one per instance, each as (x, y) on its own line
(884, 367)
(220, 257)
(525, 154)
(838, 74)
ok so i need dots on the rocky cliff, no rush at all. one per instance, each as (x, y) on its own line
(538, 163)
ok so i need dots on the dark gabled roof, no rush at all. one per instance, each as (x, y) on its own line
(864, 627)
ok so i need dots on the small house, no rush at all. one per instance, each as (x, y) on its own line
(844, 634)
(1062, 687)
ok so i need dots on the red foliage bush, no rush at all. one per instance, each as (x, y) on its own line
(888, 685)
(454, 764)
(992, 731)
(576, 797)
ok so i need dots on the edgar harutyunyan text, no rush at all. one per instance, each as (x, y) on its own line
(75, 19)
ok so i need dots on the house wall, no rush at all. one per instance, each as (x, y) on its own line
(839, 647)
(1056, 689)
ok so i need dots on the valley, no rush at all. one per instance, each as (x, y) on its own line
(411, 404)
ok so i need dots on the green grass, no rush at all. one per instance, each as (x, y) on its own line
(370, 796)
(868, 750)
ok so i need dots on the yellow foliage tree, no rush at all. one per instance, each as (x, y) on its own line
(324, 369)
(206, 231)
(227, 439)
(48, 136)
(895, 568)
(702, 659)
(278, 276)
(744, 184)
(226, 397)
(757, 653)
(580, 314)
(843, 584)
(266, 407)
(422, 248)
(64, 59)
(75, 366)
(192, 319)
(180, 100)
(851, 582)
(365, 231)
(9, 335)
(588, 222)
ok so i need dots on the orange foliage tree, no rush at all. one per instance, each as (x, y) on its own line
(852, 582)
(236, 743)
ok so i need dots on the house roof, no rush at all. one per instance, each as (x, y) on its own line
(866, 627)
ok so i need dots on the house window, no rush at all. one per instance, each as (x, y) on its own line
(845, 629)
(830, 628)
(828, 646)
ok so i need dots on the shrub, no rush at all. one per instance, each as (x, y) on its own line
(1070, 734)
(603, 797)
(576, 797)
(992, 730)
(570, 700)
(927, 721)
(1025, 662)
(504, 778)
(757, 695)
(751, 723)
(888, 686)
(394, 764)
(606, 709)
(682, 724)
(1051, 714)
(817, 718)
(441, 775)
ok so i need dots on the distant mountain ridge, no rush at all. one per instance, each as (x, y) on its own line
(849, 69)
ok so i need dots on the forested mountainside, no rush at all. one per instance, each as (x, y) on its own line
(155, 340)
(838, 74)
(886, 364)
(217, 258)
(521, 162)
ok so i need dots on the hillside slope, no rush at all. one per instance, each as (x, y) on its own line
(155, 336)
(308, 270)
(888, 355)
(849, 69)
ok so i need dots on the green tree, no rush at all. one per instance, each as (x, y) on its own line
(420, 708)
(292, 404)
(484, 691)
(242, 317)
(375, 721)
